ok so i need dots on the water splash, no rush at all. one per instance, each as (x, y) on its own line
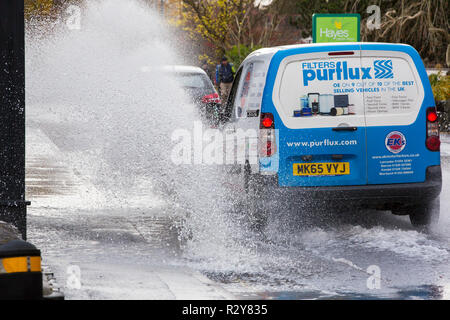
(92, 80)
(113, 122)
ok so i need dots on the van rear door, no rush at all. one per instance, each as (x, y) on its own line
(319, 111)
(395, 108)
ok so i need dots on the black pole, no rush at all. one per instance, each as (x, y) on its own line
(12, 114)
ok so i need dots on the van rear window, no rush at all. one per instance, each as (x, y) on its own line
(394, 92)
(379, 88)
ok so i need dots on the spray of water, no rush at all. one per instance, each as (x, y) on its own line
(91, 82)
(94, 78)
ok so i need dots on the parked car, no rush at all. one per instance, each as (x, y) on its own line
(351, 123)
(200, 89)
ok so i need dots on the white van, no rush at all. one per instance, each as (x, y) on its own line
(354, 122)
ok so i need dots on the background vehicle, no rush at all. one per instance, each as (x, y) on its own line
(350, 123)
(199, 88)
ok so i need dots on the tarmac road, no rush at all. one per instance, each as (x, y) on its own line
(132, 247)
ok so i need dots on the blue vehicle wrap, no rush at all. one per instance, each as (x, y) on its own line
(376, 153)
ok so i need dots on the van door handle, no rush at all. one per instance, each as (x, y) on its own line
(345, 129)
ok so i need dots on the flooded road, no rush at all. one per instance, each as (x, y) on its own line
(116, 219)
(133, 249)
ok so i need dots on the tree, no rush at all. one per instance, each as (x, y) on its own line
(298, 13)
(211, 21)
(223, 24)
(424, 24)
(237, 55)
(38, 8)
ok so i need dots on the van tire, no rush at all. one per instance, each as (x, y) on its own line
(425, 215)
(254, 210)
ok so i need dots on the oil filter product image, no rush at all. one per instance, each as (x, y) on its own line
(326, 102)
(306, 112)
(313, 99)
(345, 110)
(341, 100)
(304, 102)
(337, 111)
(351, 109)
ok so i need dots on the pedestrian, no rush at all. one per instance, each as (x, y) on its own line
(216, 79)
(225, 78)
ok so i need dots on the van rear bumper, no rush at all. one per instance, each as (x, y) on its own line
(399, 193)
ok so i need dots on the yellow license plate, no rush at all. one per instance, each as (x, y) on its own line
(321, 169)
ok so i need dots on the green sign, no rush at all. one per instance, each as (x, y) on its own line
(336, 27)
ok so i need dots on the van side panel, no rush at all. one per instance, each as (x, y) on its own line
(396, 116)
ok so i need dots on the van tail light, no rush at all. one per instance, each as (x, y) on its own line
(432, 142)
(267, 121)
(211, 98)
(267, 140)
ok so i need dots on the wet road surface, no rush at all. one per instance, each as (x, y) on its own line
(132, 246)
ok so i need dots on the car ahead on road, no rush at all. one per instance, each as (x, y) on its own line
(196, 83)
(351, 123)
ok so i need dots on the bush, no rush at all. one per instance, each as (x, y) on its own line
(444, 115)
(237, 56)
(440, 84)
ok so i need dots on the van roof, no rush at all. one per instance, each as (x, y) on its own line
(273, 50)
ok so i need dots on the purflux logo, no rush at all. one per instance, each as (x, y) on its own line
(329, 71)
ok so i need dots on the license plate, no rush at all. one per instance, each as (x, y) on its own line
(321, 169)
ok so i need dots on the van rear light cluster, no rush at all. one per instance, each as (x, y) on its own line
(267, 121)
(432, 142)
(267, 142)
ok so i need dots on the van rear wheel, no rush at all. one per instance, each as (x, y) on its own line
(425, 215)
(254, 210)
